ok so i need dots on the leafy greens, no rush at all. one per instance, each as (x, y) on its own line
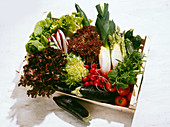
(44, 28)
(127, 70)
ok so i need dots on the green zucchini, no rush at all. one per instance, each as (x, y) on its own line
(85, 19)
(70, 105)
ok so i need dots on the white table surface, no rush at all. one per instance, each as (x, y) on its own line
(146, 17)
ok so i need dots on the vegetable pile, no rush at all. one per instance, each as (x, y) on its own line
(69, 54)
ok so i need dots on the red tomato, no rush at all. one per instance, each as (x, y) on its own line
(121, 101)
(109, 88)
(85, 79)
(97, 82)
(129, 96)
(86, 84)
(123, 92)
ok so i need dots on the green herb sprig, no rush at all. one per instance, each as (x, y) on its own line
(127, 70)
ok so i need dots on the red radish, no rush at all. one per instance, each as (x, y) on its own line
(87, 66)
(85, 79)
(102, 84)
(91, 83)
(86, 84)
(92, 70)
(93, 77)
(93, 65)
(89, 75)
(103, 79)
(104, 74)
(97, 82)
(97, 72)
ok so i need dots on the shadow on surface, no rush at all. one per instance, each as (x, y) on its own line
(29, 112)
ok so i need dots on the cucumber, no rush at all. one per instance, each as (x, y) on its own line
(93, 93)
(70, 105)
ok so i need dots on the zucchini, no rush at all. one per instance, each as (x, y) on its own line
(93, 93)
(70, 105)
(85, 19)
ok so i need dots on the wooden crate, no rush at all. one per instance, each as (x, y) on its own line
(144, 48)
(133, 103)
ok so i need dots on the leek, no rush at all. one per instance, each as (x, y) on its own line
(105, 27)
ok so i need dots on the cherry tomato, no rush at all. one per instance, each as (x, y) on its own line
(93, 65)
(109, 88)
(86, 84)
(93, 77)
(85, 79)
(92, 70)
(123, 92)
(129, 96)
(97, 72)
(97, 82)
(121, 101)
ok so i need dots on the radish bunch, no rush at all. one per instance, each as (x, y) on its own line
(95, 77)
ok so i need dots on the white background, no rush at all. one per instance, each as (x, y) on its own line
(146, 17)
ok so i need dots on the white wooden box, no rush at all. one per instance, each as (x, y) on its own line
(144, 48)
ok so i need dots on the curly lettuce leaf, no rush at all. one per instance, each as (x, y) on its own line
(75, 70)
